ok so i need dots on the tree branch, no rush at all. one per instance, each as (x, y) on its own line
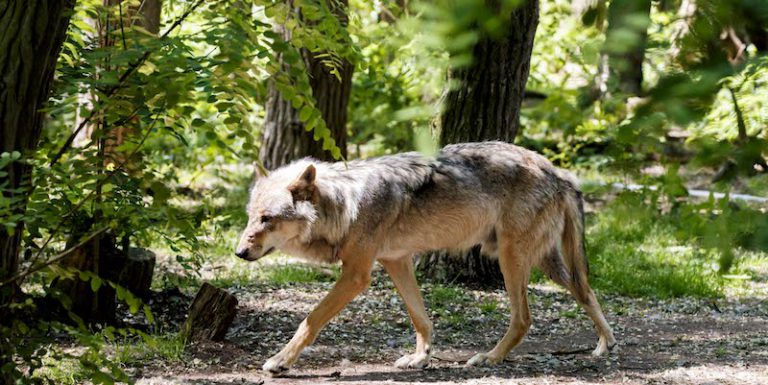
(121, 81)
(58, 257)
(739, 118)
(80, 204)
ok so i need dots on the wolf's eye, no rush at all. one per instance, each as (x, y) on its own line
(266, 218)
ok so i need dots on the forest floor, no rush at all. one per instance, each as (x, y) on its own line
(671, 341)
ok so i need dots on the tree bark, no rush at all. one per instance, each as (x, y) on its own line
(97, 256)
(621, 62)
(284, 138)
(149, 15)
(31, 35)
(486, 103)
(101, 255)
(485, 106)
(134, 270)
(210, 315)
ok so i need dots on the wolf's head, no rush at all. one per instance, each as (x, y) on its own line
(280, 209)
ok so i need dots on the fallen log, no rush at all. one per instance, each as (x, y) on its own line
(693, 192)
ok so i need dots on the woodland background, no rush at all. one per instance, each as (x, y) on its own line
(131, 130)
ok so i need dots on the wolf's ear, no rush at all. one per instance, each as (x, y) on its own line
(259, 171)
(303, 188)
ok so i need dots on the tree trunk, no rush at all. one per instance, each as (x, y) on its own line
(485, 106)
(284, 138)
(621, 62)
(149, 15)
(101, 255)
(31, 35)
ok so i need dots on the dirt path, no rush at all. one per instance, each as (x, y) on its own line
(683, 341)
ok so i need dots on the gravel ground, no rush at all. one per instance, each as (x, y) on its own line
(676, 341)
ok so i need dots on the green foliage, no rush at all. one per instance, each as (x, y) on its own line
(244, 274)
(489, 307)
(168, 347)
(641, 246)
(443, 300)
(283, 274)
(634, 251)
(32, 360)
(190, 105)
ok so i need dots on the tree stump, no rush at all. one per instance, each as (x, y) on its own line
(134, 271)
(210, 314)
(469, 267)
(97, 306)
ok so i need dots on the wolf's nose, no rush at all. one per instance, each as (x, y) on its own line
(242, 253)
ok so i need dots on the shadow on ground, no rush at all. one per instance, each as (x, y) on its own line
(675, 341)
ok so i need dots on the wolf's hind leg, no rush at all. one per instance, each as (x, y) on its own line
(401, 272)
(355, 278)
(553, 266)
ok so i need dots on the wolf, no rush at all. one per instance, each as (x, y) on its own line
(511, 201)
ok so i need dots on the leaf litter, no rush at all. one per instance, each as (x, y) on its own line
(660, 341)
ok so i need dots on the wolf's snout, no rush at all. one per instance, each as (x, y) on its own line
(243, 253)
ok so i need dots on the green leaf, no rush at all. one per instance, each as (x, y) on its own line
(95, 283)
(305, 113)
(148, 315)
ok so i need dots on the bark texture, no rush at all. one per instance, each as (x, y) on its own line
(485, 106)
(149, 15)
(284, 138)
(99, 256)
(125, 266)
(621, 62)
(31, 35)
(210, 314)
(134, 271)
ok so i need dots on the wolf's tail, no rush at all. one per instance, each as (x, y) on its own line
(574, 251)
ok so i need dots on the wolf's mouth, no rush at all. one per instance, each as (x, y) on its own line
(271, 249)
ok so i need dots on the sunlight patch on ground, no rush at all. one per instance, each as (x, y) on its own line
(715, 374)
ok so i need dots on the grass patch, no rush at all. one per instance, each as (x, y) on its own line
(445, 301)
(166, 347)
(489, 307)
(637, 252)
(61, 370)
(243, 274)
(77, 364)
(282, 274)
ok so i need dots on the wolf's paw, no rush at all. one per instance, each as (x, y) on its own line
(604, 347)
(276, 365)
(483, 359)
(413, 361)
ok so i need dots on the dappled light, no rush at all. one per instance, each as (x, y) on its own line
(306, 191)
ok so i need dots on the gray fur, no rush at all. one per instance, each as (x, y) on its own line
(363, 197)
(512, 201)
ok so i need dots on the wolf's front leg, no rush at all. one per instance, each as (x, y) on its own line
(401, 272)
(355, 278)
